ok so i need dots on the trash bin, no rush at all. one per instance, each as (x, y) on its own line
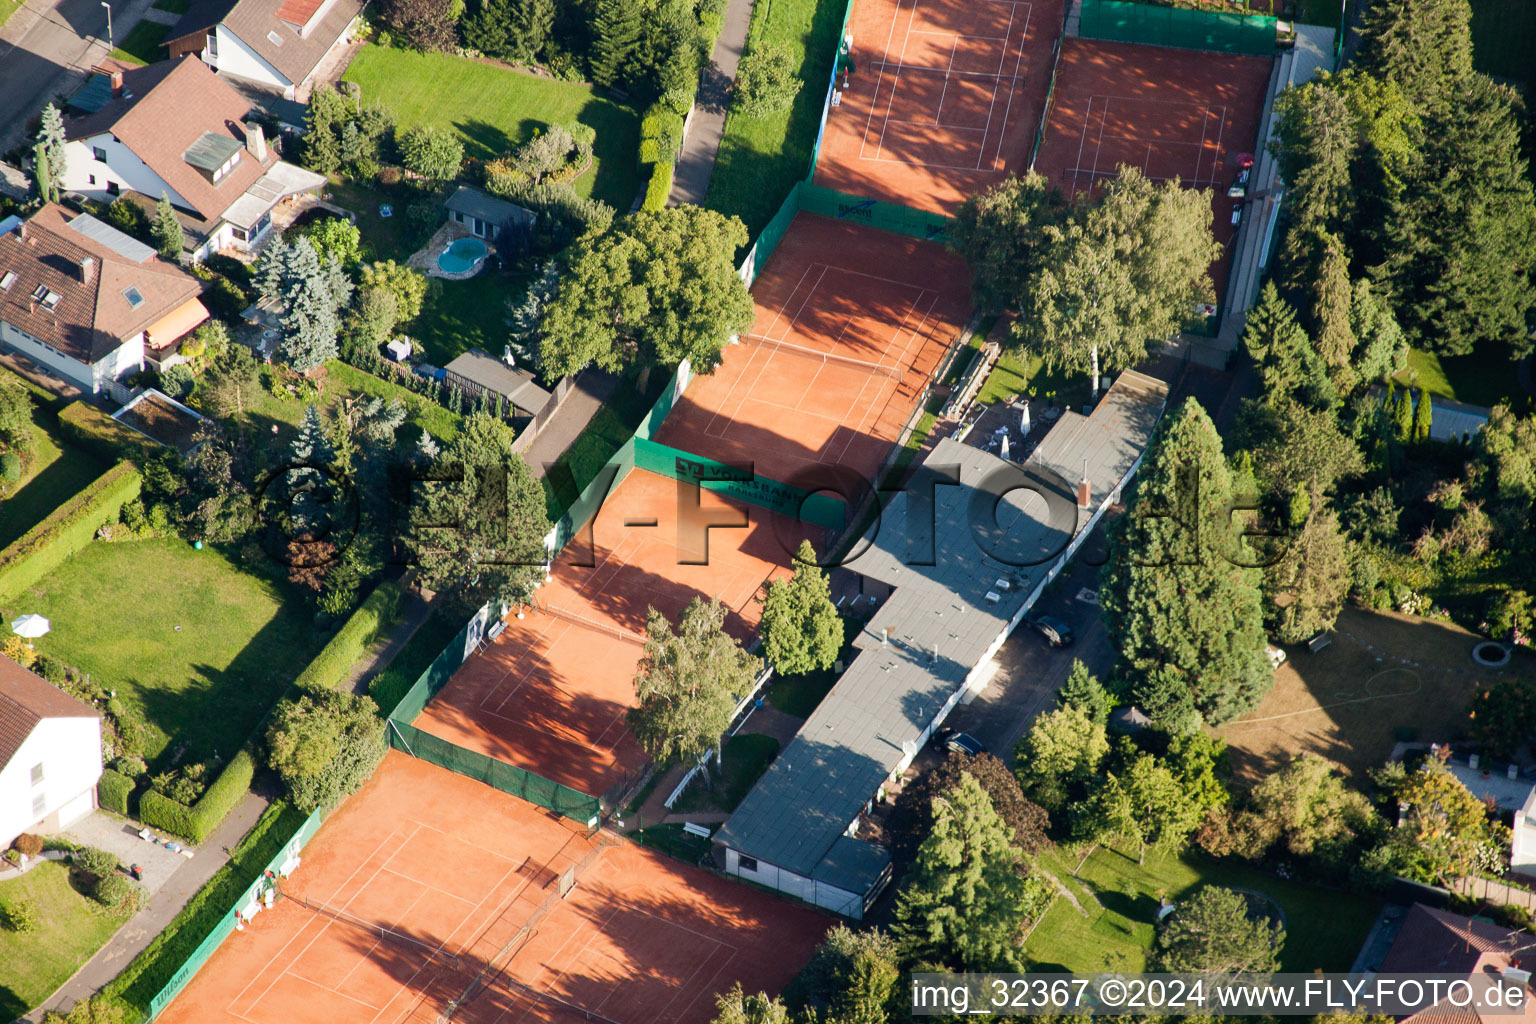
(137, 873)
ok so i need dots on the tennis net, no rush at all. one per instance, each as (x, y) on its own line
(893, 372)
(896, 70)
(582, 620)
(434, 953)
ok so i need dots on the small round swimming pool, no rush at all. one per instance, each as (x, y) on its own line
(461, 256)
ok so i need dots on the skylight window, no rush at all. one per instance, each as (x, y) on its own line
(8, 280)
(134, 298)
(276, 39)
(50, 299)
(37, 295)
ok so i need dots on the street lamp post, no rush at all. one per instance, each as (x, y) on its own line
(108, 6)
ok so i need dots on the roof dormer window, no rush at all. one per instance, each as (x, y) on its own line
(215, 155)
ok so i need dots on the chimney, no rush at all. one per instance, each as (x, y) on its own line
(1084, 488)
(255, 141)
(116, 76)
(87, 269)
(885, 635)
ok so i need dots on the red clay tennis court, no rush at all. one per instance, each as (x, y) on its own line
(549, 694)
(1169, 112)
(431, 877)
(944, 101)
(851, 321)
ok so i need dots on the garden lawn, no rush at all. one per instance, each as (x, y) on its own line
(173, 6)
(468, 314)
(1324, 928)
(70, 929)
(58, 471)
(263, 409)
(746, 756)
(199, 647)
(761, 158)
(8, 8)
(1486, 377)
(493, 109)
(143, 44)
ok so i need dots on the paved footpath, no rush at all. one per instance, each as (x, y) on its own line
(690, 180)
(141, 929)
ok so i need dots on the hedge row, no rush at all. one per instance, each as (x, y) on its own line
(66, 530)
(113, 791)
(197, 822)
(659, 187)
(661, 134)
(103, 436)
(149, 972)
(373, 618)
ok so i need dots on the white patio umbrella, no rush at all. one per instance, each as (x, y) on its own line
(1024, 417)
(30, 626)
(1005, 446)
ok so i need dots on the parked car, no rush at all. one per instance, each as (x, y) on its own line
(1239, 187)
(1056, 632)
(956, 742)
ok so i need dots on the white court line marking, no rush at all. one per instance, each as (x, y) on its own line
(1018, 62)
(1082, 144)
(742, 379)
(896, 78)
(1221, 130)
(944, 90)
(931, 124)
(1205, 126)
(1002, 59)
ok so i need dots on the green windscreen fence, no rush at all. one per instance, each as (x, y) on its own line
(508, 778)
(1155, 25)
(768, 239)
(817, 508)
(932, 227)
(226, 925)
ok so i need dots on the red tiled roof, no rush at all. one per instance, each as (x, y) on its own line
(159, 116)
(92, 317)
(298, 12)
(25, 700)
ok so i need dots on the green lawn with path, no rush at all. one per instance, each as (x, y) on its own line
(197, 645)
(58, 470)
(761, 158)
(493, 109)
(1486, 377)
(1324, 927)
(142, 45)
(70, 929)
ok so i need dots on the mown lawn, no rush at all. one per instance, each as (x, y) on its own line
(58, 470)
(142, 46)
(8, 8)
(1323, 927)
(264, 410)
(1485, 377)
(198, 646)
(1015, 375)
(493, 109)
(70, 929)
(468, 314)
(1504, 38)
(761, 158)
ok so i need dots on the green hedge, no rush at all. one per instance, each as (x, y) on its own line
(661, 133)
(196, 823)
(103, 436)
(148, 973)
(113, 791)
(66, 530)
(374, 618)
(659, 187)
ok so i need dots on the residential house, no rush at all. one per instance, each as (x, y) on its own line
(286, 46)
(176, 129)
(947, 599)
(1437, 943)
(88, 303)
(485, 216)
(50, 755)
(476, 374)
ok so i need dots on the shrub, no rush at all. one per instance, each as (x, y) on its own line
(113, 791)
(373, 618)
(661, 135)
(67, 528)
(431, 152)
(51, 669)
(29, 844)
(20, 915)
(197, 822)
(115, 890)
(766, 82)
(10, 467)
(389, 175)
(96, 862)
(658, 188)
(132, 767)
(177, 381)
(17, 649)
(96, 1010)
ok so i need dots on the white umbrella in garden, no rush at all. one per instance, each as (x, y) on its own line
(1005, 446)
(30, 626)
(1024, 418)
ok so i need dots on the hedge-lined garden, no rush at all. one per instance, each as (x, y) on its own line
(66, 530)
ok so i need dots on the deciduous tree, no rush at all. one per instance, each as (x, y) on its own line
(1059, 755)
(324, 745)
(1213, 930)
(688, 682)
(431, 152)
(767, 81)
(1451, 828)
(912, 814)
(1001, 232)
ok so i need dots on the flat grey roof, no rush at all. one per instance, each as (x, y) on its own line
(993, 539)
(102, 233)
(477, 204)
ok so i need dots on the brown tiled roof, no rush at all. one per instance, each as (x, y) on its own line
(25, 700)
(91, 318)
(1440, 942)
(159, 116)
(297, 55)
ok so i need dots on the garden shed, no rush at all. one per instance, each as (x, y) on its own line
(485, 216)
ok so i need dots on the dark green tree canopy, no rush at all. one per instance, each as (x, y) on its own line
(324, 745)
(1215, 930)
(801, 629)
